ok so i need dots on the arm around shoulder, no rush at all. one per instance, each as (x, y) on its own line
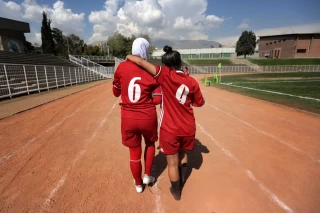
(150, 68)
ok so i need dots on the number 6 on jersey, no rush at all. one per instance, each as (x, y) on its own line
(134, 90)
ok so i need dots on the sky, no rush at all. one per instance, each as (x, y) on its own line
(221, 21)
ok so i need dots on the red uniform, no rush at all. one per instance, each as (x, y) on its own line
(177, 122)
(187, 71)
(138, 112)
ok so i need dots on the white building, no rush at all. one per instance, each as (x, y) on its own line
(207, 53)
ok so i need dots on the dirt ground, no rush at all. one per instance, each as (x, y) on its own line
(250, 156)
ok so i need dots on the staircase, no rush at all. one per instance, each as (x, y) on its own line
(244, 61)
(83, 61)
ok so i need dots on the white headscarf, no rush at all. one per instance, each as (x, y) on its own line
(141, 47)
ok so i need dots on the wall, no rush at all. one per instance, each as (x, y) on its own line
(285, 44)
(12, 40)
(302, 47)
(315, 47)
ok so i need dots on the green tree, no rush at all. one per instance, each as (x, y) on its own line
(91, 50)
(48, 46)
(76, 44)
(120, 45)
(246, 44)
(60, 42)
(29, 47)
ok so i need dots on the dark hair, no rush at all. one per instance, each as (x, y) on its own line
(171, 58)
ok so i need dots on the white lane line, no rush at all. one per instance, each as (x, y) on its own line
(260, 111)
(271, 195)
(273, 92)
(47, 202)
(64, 177)
(29, 142)
(158, 208)
(104, 120)
(267, 134)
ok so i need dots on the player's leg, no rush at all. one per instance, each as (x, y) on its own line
(183, 160)
(136, 167)
(131, 137)
(186, 143)
(169, 146)
(173, 172)
(150, 134)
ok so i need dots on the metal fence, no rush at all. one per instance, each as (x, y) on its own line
(96, 58)
(16, 79)
(253, 69)
(94, 67)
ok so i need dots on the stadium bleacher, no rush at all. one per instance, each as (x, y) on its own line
(34, 59)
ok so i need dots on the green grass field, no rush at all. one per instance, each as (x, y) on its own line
(298, 61)
(305, 85)
(209, 61)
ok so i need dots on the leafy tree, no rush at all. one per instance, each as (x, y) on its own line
(76, 44)
(29, 47)
(120, 45)
(46, 36)
(91, 50)
(60, 42)
(246, 44)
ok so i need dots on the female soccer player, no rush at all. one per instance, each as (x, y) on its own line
(138, 112)
(177, 122)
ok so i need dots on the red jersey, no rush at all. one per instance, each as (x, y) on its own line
(179, 92)
(187, 71)
(135, 86)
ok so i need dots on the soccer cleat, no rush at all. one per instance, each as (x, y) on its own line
(148, 179)
(139, 188)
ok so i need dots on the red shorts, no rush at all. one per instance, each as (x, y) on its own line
(132, 131)
(170, 144)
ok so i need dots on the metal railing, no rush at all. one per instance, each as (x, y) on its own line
(96, 58)
(106, 72)
(253, 69)
(16, 79)
(117, 61)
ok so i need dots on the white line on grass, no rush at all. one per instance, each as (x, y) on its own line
(271, 195)
(273, 92)
(267, 134)
(271, 82)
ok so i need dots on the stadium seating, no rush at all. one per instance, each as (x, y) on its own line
(34, 59)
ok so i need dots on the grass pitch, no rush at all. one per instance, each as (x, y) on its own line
(299, 90)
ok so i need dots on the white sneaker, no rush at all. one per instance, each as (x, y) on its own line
(139, 188)
(148, 179)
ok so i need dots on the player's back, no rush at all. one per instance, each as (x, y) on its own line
(136, 88)
(179, 92)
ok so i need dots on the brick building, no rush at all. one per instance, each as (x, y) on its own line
(12, 35)
(300, 45)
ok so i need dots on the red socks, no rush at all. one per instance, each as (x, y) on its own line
(148, 158)
(135, 161)
(135, 164)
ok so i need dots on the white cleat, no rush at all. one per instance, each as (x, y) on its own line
(139, 188)
(148, 179)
